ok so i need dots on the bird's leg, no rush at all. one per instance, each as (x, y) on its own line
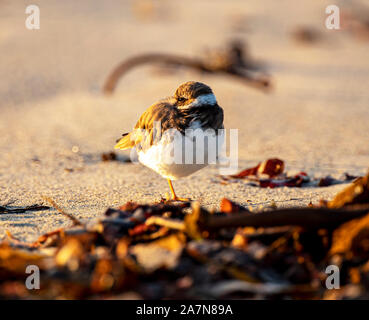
(174, 196)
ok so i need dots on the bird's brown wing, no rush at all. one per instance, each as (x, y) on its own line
(157, 116)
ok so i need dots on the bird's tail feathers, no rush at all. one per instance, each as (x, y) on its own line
(125, 142)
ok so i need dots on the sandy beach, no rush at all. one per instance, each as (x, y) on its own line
(55, 122)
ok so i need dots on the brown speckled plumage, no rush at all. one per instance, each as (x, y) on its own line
(172, 114)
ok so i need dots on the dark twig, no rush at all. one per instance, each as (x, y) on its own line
(34, 207)
(75, 221)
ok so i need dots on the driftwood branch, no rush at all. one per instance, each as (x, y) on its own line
(232, 64)
(130, 63)
(304, 217)
(314, 218)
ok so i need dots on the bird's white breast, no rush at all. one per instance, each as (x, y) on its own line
(161, 157)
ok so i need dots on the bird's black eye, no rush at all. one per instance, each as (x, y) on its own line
(181, 99)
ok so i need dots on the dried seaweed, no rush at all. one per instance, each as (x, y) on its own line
(112, 156)
(270, 174)
(109, 156)
(306, 34)
(186, 252)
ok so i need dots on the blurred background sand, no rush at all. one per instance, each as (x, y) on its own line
(55, 122)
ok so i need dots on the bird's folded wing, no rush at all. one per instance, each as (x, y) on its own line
(156, 117)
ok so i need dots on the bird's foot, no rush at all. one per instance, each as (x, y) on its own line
(181, 199)
(176, 199)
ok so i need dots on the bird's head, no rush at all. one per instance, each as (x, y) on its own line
(194, 94)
